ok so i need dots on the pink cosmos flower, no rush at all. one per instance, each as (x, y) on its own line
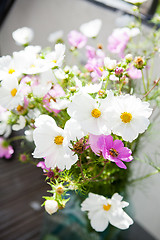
(77, 39)
(95, 62)
(112, 150)
(134, 73)
(117, 41)
(42, 165)
(6, 150)
(56, 92)
(90, 52)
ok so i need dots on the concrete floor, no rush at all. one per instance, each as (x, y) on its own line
(51, 15)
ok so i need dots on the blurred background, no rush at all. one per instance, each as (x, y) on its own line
(45, 17)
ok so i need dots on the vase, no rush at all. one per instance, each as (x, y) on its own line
(72, 223)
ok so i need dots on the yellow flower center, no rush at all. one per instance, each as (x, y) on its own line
(96, 113)
(19, 108)
(113, 152)
(13, 92)
(58, 140)
(101, 69)
(54, 61)
(126, 117)
(32, 66)
(106, 207)
(60, 190)
(11, 70)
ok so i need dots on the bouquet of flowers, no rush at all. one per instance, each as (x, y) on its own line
(86, 119)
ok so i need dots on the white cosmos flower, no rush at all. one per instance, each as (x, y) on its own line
(29, 135)
(136, 1)
(7, 67)
(52, 142)
(102, 211)
(132, 32)
(109, 63)
(92, 28)
(29, 61)
(91, 113)
(129, 116)
(10, 93)
(5, 128)
(20, 124)
(53, 37)
(89, 88)
(59, 104)
(56, 57)
(23, 35)
(44, 84)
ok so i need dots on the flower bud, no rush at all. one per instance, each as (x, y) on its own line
(109, 63)
(129, 57)
(139, 62)
(51, 206)
(118, 72)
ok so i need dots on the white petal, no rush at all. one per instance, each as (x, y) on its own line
(99, 222)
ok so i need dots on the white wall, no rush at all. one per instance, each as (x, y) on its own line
(51, 15)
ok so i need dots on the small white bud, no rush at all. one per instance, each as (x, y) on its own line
(109, 63)
(129, 57)
(51, 206)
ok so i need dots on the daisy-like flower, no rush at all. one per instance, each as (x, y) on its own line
(91, 29)
(56, 57)
(9, 93)
(5, 128)
(102, 211)
(29, 62)
(6, 150)
(53, 143)
(23, 36)
(112, 150)
(91, 113)
(77, 39)
(129, 116)
(7, 67)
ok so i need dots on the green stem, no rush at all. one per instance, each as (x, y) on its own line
(143, 81)
(107, 81)
(144, 177)
(16, 138)
(151, 88)
(120, 88)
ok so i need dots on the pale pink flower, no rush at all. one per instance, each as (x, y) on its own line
(6, 150)
(77, 39)
(117, 41)
(134, 73)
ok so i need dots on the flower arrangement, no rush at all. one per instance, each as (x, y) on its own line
(85, 120)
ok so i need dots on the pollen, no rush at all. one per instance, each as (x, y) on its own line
(106, 207)
(113, 152)
(101, 69)
(13, 92)
(11, 70)
(54, 61)
(19, 108)
(126, 117)
(96, 113)
(58, 140)
(60, 190)
(32, 66)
